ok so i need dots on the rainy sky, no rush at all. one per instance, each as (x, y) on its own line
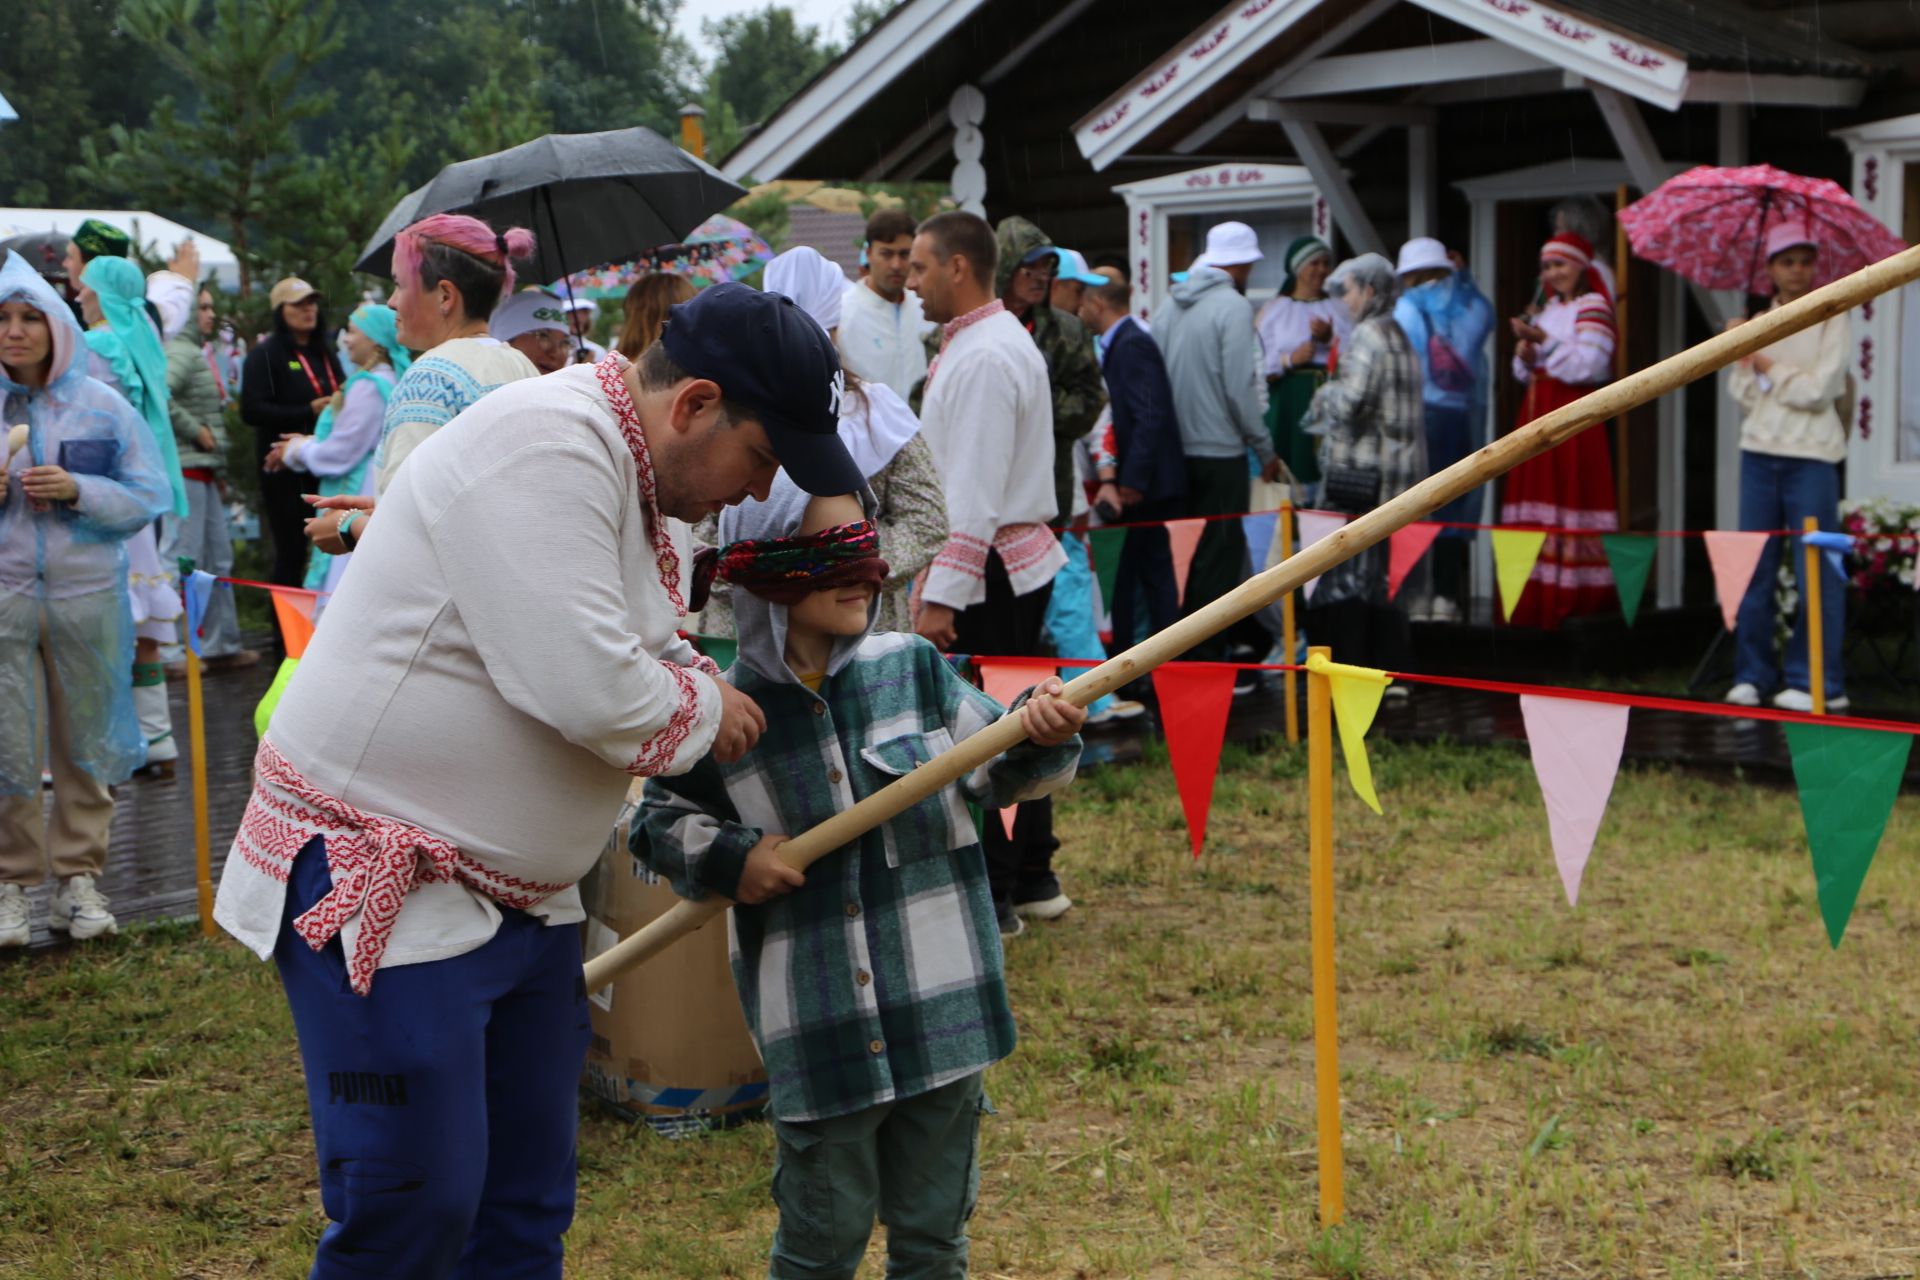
(828, 15)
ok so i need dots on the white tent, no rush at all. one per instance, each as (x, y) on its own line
(155, 235)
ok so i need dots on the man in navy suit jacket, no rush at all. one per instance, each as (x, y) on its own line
(1142, 468)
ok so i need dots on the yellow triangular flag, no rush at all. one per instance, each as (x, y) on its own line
(1356, 699)
(1514, 551)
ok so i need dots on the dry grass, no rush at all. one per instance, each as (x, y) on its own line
(1677, 1080)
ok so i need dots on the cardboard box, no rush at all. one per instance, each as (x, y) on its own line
(670, 1042)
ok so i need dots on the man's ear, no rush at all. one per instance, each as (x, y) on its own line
(695, 404)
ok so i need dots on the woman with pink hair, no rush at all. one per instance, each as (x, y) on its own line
(449, 272)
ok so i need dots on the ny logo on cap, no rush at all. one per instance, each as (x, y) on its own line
(835, 390)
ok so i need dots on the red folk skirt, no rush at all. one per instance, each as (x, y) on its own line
(1568, 487)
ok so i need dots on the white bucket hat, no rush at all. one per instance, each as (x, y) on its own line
(1230, 244)
(1422, 253)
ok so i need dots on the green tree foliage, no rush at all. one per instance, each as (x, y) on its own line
(764, 58)
(865, 16)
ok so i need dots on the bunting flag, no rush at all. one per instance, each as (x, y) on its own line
(1203, 693)
(294, 609)
(1734, 557)
(1834, 548)
(1183, 537)
(197, 590)
(1848, 779)
(1005, 680)
(264, 712)
(1404, 550)
(1630, 557)
(1514, 554)
(1356, 698)
(1315, 525)
(1576, 754)
(1105, 548)
(1260, 530)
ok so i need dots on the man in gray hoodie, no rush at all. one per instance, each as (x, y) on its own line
(1207, 336)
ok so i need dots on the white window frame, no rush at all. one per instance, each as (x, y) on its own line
(1874, 469)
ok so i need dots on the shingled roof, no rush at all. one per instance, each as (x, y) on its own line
(1728, 37)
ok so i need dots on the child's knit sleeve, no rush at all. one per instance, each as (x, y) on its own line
(1027, 772)
(689, 832)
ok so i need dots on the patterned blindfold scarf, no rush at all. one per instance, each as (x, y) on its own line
(788, 570)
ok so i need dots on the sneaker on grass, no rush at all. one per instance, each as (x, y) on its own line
(1801, 700)
(80, 909)
(1011, 925)
(14, 931)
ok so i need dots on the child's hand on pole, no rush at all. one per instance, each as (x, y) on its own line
(765, 876)
(1050, 719)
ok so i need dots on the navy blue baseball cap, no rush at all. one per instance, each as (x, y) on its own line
(770, 358)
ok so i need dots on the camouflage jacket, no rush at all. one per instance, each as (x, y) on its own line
(1073, 370)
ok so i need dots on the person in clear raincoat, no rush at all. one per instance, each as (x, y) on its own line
(81, 476)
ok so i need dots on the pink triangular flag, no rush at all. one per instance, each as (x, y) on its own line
(1183, 538)
(1315, 525)
(1004, 680)
(1576, 753)
(1195, 701)
(1404, 549)
(1734, 557)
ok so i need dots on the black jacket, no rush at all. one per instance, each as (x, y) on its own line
(276, 396)
(1146, 434)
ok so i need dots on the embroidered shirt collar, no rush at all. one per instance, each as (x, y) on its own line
(611, 371)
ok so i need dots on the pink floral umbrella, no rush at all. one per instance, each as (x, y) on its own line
(1710, 225)
(719, 249)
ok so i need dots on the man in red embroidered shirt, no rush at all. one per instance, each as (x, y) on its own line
(987, 413)
(456, 743)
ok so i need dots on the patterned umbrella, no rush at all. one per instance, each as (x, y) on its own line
(719, 249)
(1710, 225)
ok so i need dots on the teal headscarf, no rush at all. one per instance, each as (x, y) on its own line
(383, 326)
(1299, 253)
(132, 348)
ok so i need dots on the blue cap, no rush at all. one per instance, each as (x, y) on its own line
(770, 358)
(1074, 267)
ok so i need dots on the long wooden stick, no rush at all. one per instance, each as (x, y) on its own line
(1291, 574)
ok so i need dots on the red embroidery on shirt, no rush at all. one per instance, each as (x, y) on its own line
(953, 327)
(657, 755)
(609, 372)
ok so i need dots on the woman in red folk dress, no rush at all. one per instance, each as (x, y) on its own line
(1563, 353)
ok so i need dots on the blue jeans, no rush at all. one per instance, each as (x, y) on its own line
(1070, 614)
(444, 1102)
(1780, 493)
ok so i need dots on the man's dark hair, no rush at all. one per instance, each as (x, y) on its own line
(1115, 295)
(478, 280)
(888, 224)
(658, 372)
(959, 232)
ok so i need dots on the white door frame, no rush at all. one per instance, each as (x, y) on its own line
(1880, 150)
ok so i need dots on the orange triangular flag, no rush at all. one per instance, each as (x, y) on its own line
(1404, 549)
(1194, 701)
(1183, 537)
(1004, 680)
(294, 609)
(1734, 557)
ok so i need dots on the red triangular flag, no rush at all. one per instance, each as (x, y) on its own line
(1734, 557)
(294, 608)
(1404, 550)
(1004, 680)
(1194, 701)
(1183, 537)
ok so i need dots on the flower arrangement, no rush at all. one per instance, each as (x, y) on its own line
(1887, 536)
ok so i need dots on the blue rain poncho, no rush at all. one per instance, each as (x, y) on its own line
(132, 349)
(69, 564)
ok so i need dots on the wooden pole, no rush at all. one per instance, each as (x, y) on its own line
(1289, 636)
(1816, 625)
(197, 740)
(1261, 590)
(1326, 1033)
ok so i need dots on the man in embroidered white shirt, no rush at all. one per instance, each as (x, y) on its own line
(446, 763)
(987, 413)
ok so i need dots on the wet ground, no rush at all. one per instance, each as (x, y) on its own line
(150, 867)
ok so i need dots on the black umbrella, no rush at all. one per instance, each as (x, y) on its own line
(45, 252)
(588, 198)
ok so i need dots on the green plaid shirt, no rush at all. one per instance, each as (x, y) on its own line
(880, 978)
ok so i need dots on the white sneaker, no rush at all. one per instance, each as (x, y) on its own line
(1045, 909)
(1119, 709)
(80, 909)
(1801, 700)
(14, 931)
(1743, 695)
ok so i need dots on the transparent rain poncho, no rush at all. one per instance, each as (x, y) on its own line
(68, 564)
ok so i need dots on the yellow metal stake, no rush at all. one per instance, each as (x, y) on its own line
(197, 739)
(1816, 653)
(1326, 1045)
(1288, 635)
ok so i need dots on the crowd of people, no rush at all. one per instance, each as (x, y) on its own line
(519, 538)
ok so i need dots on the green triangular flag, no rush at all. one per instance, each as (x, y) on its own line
(1848, 779)
(721, 649)
(1629, 555)
(1106, 566)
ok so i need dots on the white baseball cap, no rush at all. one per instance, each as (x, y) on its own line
(1230, 244)
(527, 312)
(1422, 253)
